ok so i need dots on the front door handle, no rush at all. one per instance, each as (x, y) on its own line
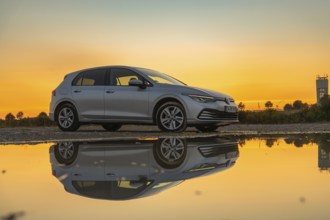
(110, 91)
(77, 91)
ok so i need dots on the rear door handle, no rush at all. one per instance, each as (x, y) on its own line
(77, 91)
(110, 91)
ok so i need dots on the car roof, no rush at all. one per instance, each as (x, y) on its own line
(111, 66)
(138, 69)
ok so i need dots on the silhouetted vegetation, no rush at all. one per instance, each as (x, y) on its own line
(41, 120)
(295, 140)
(297, 112)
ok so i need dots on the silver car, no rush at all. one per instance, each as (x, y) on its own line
(115, 95)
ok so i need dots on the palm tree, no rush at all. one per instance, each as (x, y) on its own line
(241, 106)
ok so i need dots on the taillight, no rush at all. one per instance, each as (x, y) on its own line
(54, 92)
(54, 173)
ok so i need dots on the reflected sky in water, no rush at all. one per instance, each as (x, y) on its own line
(262, 178)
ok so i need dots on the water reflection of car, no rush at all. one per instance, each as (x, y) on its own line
(121, 170)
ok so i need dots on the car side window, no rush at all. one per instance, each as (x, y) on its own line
(94, 77)
(77, 81)
(121, 77)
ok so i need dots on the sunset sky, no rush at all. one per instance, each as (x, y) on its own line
(255, 50)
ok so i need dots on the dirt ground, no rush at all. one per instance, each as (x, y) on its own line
(94, 133)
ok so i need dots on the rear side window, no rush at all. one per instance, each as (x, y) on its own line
(90, 78)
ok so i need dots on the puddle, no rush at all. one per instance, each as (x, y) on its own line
(195, 178)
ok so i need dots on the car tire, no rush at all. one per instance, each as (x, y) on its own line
(171, 116)
(66, 152)
(170, 153)
(67, 118)
(207, 128)
(111, 127)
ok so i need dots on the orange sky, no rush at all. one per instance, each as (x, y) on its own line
(256, 51)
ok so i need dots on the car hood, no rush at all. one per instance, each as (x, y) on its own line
(212, 93)
(196, 91)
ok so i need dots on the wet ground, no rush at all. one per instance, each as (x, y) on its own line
(232, 177)
(96, 133)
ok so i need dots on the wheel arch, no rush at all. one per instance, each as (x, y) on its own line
(61, 103)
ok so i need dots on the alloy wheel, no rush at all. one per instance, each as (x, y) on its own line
(66, 150)
(172, 117)
(172, 149)
(66, 117)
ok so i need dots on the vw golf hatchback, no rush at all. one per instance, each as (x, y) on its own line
(115, 95)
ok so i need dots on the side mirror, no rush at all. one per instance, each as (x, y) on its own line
(136, 82)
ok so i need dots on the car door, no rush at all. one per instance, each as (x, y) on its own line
(124, 102)
(88, 93)
(128, 159)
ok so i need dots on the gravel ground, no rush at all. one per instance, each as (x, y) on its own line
(94, 133)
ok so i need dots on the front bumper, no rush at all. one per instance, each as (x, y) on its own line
(214, 113)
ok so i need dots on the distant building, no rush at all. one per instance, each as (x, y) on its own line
(322, 87)
(324, 157)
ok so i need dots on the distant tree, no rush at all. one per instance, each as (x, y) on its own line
(288, 107)
(10, 117)
(42, 115)
(288, 140)
(19, 115)
(268, 105)
(270, 142)
(241, 106)
(299, 142)
(43, 120)
(297, 104)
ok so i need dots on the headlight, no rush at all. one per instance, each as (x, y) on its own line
(201, 98)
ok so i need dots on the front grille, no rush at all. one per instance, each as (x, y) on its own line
(209, 114)
(218, 149)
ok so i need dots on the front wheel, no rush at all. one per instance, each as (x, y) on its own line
(111, 127)
(207, 128)
(171, 116)
(66, 152)
(67, 118)
(170, 152)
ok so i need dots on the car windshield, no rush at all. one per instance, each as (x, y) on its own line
(160, 77)
(160, 187)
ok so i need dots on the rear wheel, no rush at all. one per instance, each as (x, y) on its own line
(207, 128)
(111, 127)
(67, 118)
(171, 117)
